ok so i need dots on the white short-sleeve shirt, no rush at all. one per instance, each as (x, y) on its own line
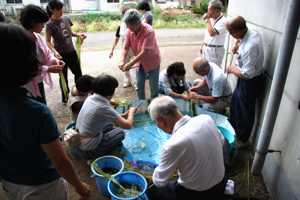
(251, 54)
(220, 26)
(195, 150)
(216, 80)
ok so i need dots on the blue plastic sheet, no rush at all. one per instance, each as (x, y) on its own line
(143, 143)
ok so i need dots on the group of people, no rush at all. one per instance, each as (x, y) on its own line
(213, 91)
(32, 159)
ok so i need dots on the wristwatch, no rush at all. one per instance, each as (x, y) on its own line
(206, 20)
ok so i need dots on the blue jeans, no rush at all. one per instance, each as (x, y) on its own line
(140, 77)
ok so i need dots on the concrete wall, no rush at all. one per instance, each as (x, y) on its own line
(167, 4)
(12, 8)
(281, 171)
(79, 5)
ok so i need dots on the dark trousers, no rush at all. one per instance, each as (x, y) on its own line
(71, 60)
(41, 99)
(242, 106)
(174, 191)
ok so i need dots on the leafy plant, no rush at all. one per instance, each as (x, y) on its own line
(196, 9)
(204, 6)
(202, 9)
(99, 17)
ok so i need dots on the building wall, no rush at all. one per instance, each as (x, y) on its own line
(86, 5)
(280, 169)
(14, 8)
(166, 4)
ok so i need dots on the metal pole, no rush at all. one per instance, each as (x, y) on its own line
(281, 70)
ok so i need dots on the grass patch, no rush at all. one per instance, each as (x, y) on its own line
(110, 22)
(93, 22)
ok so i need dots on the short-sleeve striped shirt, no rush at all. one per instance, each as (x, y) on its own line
(145, 39)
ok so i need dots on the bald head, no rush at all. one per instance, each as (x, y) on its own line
(236, 26)
(200, 64)
(236, 23)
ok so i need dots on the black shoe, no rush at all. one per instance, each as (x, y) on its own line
(147, 76)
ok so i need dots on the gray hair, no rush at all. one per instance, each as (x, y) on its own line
(216, 4)
(132, 17)
(163, 106)
(202, 65)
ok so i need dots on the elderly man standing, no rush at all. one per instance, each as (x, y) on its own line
(250, 76)
(210, 90)
(141, 38)
(213, 46)
(196, 149)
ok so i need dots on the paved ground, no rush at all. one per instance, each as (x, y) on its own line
(95, 61)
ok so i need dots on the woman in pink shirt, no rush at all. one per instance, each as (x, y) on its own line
(140, 37)
(33, 19)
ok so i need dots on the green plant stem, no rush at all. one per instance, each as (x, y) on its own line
(244, 174)
(64, 86)
(95, 166)
(248, 182)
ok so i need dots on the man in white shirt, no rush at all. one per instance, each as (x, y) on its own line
(250, 76)
(210, 91)
(212, 48)
(195, 149)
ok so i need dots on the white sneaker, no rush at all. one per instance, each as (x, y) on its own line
(89, 162)
(126, 85)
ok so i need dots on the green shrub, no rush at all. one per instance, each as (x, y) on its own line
(157, 14)
(183, 18)
(169, 16)
(204, 7)
(133, 6)
(196, 9)
(201, 9)
(99, 17)
(79, 27)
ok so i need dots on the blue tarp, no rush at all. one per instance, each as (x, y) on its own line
(143, 143)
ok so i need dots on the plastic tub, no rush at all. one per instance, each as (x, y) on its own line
(68, 127)
(226, 133)
(130, 178)
(102, 162)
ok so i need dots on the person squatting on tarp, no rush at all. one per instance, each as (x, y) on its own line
(78, 94)
(210, 89)
(97, 117)
(197, 149)
(173, 82)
